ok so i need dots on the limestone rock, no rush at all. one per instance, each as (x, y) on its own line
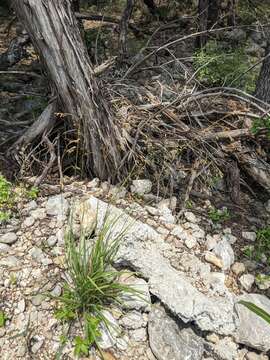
(226, 349)
(142, 250)
(133, 320)
(8, 238)
(253, 331)
(225, 252)
(238, 268)
(249, 235)
(57, 206)
(171, 341)
(247, 280)
(213, 259)
(141, 187)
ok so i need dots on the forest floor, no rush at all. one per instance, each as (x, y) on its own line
(193, 262)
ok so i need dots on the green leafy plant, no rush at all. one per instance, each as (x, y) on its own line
(257, 310)
(5, 191)
(2, 319)
(4, 216)
(261, 248)
(32, 193)
(261, 125)
(220, 64)
(218, 215)
(93, 284)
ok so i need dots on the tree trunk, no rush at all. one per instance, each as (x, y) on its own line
(203, 9)
(124, 28)
(232, 12)
(262, 91)
(54, 32)
(213, 12)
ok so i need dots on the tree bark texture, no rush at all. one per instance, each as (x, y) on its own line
(263, 83)
(54, 32)
(203, 9)
(124, 28)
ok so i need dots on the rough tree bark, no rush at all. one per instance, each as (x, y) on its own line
(263, 83)
(203, 9)
(124, 28)
(54, 32)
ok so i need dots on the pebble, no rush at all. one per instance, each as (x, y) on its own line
(138, 335)
(4, 248)
(238, 268)
(39, 214)
(10, 261)
(249, 235)
(29, 221)
(57, 290)
(8, 238)
(133, 320)
(52, 240)
(255, 356)
(211, 242)
(213, 259)
(37, 343)
(247, 280)
(190, 217)
(190, 242)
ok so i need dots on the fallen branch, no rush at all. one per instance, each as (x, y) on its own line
(43, 124)
(50, 163)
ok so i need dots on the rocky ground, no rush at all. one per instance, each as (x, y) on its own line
(187, 268)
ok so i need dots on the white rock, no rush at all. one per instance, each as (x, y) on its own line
(38, 214)
(37, 343)
(133, 320)
(8, 238)
(253, 331)
(226, 349)
(225, 252)
(132, 301)
(168, 203)
(213, 259)
(57, 206)
(138, 335)
(108, 337)
(10, 261)
(255, 356)
(190, 242)
(56, 291)
(211, 242)
(247, 280)
(230, 238)
(21, 306)
(141, 187)
(178, 231)
(238, 268)
(122, 343)
(4, 248)
(29, 221)
(52, 240)
(191, 217)
(249, 235)
(166, 216)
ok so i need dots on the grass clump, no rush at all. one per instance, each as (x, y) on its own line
(92, 283)
(3, 319)
(219, 215)
(217, 64)
(261, 126)
(260, 251)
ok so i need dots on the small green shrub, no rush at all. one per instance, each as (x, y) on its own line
(219, 65)
(261, 248)
(2, 319)
(261, 125)
(32, 193)
(93, 283)
(5, 192)
(4, 216)
(219, 215)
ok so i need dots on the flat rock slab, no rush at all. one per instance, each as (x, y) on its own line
(141, 250)
(253, 330)
(169, 341)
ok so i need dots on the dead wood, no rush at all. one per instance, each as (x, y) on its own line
(124, 28)
(42, 125)
(63, 54)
